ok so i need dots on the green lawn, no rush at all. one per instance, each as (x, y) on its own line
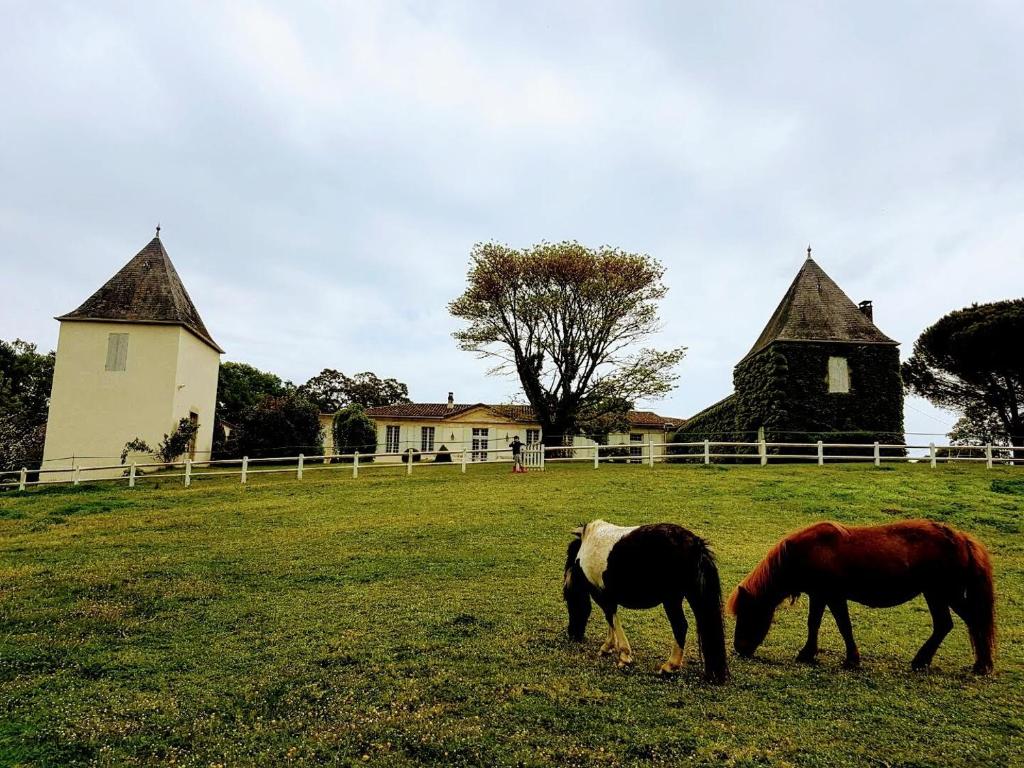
(399, 621)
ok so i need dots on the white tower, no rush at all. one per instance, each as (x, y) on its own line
(132, 361)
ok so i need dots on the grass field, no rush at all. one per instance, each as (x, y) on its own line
(400, 621)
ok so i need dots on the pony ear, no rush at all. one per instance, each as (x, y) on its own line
(739, 594)
(578, 532)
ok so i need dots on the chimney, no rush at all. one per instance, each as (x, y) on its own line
(451, 401)
(866, 308)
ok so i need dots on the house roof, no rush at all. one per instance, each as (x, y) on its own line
(523, 413)
(146, 290)
(816, 309)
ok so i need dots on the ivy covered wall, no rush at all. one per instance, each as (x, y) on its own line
(784, 388)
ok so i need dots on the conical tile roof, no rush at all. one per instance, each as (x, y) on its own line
(146, 290)
(816, 309)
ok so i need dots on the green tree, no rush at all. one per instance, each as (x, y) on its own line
(354, 431)
(569, 322)
(241, 386)
(285, 425)
(26, 377)
(331, 390)
(972, 361)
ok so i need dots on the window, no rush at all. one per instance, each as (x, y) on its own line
(391, 444)
(636, 450)
(532, 436)
(480, 444)
(426, 439)
(838, 375)
(117, 351)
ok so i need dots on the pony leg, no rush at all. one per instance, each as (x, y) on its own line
(621, 643)
(677, 619)
(810, 649)
(609, 645)
(942, 624)
(841, 613)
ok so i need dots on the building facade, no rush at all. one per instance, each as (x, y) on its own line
(132, 361)
(484, 431)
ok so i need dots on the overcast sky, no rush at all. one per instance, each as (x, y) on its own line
(321, 170)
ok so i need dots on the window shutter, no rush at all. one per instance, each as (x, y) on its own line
(838, 375)
(117, 351)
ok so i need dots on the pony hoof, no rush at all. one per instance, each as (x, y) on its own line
(982, 669)
(806, 658)
(920, 666)
(625, 661)
(669, 670)
(851, 664)
(606, 650)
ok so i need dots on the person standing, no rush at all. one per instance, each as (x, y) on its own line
(517, 454)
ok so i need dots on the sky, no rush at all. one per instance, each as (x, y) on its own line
(322, 170)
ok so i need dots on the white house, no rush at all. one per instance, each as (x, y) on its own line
(480, 428)
(132, 361)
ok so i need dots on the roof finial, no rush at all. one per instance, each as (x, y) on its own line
(158, 230)
(808, 247)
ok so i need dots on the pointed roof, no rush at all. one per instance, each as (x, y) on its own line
(816, 309)
(146, 290)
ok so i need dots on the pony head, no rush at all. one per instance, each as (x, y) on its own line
(753, 620)
(575, 591)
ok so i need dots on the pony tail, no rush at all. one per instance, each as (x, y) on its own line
(706, 602)
(980, 606)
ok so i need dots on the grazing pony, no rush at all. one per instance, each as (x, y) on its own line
(642, 567)
(879, 566)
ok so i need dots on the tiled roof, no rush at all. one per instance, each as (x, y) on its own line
(146, 290)
(816, 309)
(523, 413)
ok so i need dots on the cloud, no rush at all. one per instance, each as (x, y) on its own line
(322, 170)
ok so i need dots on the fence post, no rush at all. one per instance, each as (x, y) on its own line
(931, 453)
(355, 464)
(298, 471)
(131, 476)
(707, 451)
(77, 475)
(597, 454)
(988, 455)
(188, 472)
(245, 469)
(763, 450)
(22, 477)
(821, 454)
(408, 467)
(878, 456)
(542, 452)
(463, 459)
(650, 445)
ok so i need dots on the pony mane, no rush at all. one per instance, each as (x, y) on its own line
(766, 573)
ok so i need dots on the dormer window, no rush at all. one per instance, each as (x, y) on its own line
(838, 375)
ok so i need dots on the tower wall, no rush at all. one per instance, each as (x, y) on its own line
(785, 389)
(95, 411)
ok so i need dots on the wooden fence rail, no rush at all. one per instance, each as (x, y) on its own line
(534, 457)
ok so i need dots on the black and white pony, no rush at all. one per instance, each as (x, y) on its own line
(642, 567)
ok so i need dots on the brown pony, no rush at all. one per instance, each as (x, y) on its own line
(879, 566)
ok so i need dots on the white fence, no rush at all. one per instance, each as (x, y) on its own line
(535, 457)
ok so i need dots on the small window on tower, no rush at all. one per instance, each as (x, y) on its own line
(117, 351)
(838, 375)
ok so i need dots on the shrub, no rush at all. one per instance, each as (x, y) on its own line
(410, 453)
(138, 445)
(175, 444)
(443, 455)
(354, 431)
